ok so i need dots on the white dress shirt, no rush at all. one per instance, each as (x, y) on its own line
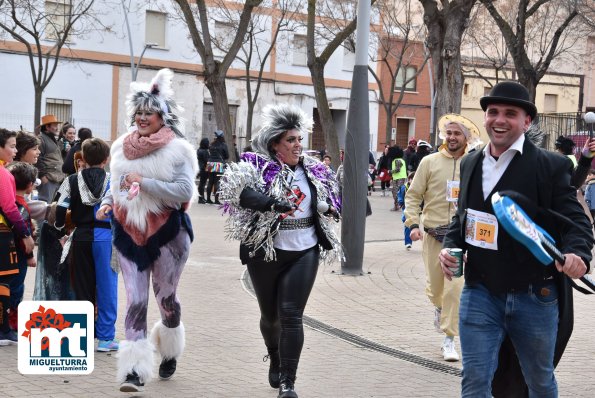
(492, 169)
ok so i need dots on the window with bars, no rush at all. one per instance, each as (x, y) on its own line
(61, 108)
(57, 15)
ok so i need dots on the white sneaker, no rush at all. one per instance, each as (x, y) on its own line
(408, 246)
(448, 350)
(437, 316)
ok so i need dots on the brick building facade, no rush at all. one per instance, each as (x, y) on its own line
(412, 117)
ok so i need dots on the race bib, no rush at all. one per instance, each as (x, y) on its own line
(452, 190)
(481, 230)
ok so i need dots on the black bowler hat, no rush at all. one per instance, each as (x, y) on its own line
(511, 93)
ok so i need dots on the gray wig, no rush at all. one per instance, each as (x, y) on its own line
(277, 120)
(156, 96)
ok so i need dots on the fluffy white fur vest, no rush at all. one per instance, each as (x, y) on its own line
(159, 165)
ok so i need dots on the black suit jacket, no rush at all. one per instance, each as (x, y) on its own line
(544, 177)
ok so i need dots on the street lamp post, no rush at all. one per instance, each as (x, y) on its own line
(140, 59)
(133, 66)
(357, 142)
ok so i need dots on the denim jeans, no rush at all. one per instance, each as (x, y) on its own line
(406, 230)
(529, 317)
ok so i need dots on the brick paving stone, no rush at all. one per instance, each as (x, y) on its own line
(224, 350)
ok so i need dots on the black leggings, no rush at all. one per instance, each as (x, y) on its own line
(202, 183)
(213, 181)
(282, 288)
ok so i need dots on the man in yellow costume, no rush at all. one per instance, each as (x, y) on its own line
(436, 188)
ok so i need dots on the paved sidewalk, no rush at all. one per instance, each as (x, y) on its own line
(224, 350)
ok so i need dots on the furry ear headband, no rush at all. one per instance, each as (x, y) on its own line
(277, 119)
(156, 96)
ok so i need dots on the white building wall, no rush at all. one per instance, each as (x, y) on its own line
(89, 84)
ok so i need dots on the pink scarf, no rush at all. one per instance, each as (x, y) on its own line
(137, 146)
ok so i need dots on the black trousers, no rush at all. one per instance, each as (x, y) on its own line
(5, 301)
(213, 182)
(83, 271)
(282, 288)
(204, 176)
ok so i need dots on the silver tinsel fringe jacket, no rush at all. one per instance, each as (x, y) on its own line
(267, 176)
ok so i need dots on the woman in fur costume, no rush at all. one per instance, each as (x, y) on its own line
(152, 179)
(280, 204)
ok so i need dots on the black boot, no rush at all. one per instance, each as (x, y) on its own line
(286, 387)
(132, 383)
(167, 368)
(273, 357)
(201, 200)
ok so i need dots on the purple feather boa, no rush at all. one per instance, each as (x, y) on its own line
(271, 168)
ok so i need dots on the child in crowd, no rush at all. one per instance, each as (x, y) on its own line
(93, 278)
(327, 161)
(401, 203)
(24, 177)
(12, 228)
(590, 192)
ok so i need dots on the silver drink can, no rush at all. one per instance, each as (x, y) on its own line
(458, 254)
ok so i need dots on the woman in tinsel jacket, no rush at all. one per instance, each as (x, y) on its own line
(152, 179)
(280, 204)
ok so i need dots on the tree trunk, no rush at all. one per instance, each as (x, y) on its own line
(389, 123)
(38, 93)
(249, 118)
(448, 76)
(331, 138)
(218, 89)
(445, 30)
(528, 79)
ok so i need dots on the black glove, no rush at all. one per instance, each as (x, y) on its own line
(282, 206)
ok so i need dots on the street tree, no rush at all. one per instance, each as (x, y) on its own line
(536, 33)
(329, 24)
(401, 54)
(44, 34)
(446, 21)
(266, 24)
(486, 55)
(197, 17)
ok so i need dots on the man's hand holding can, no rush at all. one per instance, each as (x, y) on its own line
(451, 262)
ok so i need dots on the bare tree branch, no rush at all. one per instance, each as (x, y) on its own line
(29, 25)
(215, 71)
(541, 33)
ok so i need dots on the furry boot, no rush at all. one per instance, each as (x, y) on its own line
(170, 343)
(135, 358)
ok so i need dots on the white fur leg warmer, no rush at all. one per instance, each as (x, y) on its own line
(168, 341)
(135, 356)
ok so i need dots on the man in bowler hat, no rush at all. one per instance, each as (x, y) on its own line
(511, 303)
(49, 163)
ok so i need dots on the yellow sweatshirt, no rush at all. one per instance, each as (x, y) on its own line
(429, 187)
